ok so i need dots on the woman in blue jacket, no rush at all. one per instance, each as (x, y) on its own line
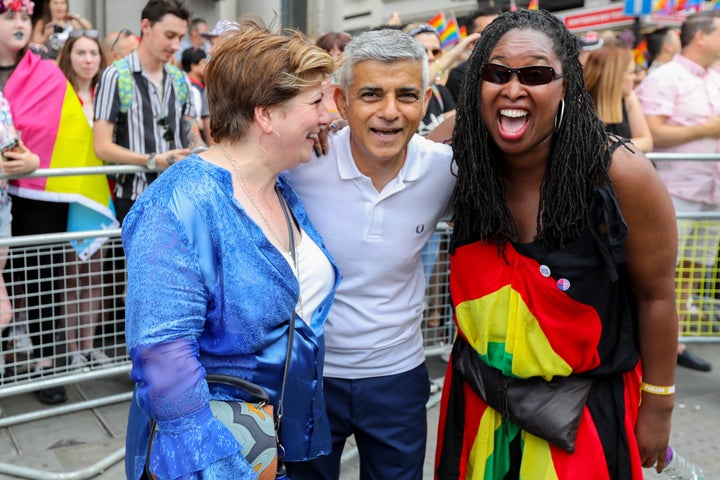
(212, 285)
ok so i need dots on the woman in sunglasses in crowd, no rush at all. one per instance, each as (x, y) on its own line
(562, 275)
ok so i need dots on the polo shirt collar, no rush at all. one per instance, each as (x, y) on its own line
(348, 170)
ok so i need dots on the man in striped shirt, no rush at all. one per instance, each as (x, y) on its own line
(143, 113)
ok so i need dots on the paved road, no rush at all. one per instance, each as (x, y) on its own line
(75, 441)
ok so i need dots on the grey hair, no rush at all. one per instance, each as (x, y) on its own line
(386, 45)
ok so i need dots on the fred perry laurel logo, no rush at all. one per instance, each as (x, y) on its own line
(420, 229)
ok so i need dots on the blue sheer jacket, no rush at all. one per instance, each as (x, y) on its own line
(207, 292)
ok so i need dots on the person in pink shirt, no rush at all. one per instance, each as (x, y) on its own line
(681, 101)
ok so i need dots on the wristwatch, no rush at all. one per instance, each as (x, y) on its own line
(151, 162)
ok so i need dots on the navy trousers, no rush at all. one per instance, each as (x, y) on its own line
(388, 418)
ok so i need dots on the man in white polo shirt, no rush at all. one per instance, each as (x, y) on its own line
(376, 198)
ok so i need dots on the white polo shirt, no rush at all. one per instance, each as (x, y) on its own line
(376, 238)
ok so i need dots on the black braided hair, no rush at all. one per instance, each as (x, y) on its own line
(576, 162)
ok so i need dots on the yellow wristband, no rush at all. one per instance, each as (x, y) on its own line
(657, 390)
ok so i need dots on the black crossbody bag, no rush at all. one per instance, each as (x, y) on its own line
(550, 410)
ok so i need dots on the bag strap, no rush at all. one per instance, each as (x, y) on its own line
(291, 336)
(260, 394)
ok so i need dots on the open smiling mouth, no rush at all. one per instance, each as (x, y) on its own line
(386, 132)
(513, 123)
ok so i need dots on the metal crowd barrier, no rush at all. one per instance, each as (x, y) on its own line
(698, 269)
(697, 283)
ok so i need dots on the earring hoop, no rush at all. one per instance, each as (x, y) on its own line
(558, 122)
(262, 147)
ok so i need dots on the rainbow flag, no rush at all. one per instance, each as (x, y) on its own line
(715, 5)
(640, 54)
(664, 6)
(48, 112)
(513, 6)
(533, 5)
(451, 34)
(438, 22)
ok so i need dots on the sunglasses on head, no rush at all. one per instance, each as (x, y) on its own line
(535, 75)
(83, 33)
(423, 28)
(124, 32)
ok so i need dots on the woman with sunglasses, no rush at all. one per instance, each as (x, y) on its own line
(562, 275)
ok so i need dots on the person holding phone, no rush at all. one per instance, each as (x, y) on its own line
(16, 158)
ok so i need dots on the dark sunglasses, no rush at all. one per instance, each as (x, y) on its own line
(532, 76)
(124, 32)
(83, 33)
(168, 135)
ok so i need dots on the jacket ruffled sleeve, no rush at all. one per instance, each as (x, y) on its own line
(166, 306)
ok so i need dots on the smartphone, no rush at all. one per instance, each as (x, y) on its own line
(9, 146)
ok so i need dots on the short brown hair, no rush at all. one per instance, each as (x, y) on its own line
(155, 10)
(251, 66)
